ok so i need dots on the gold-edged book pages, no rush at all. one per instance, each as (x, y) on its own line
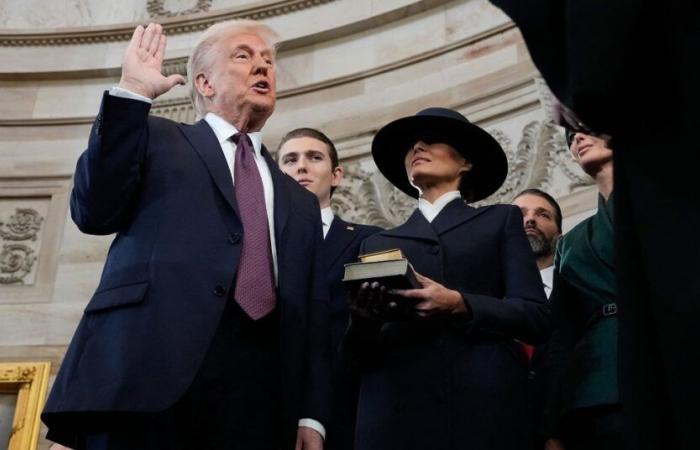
(392, 254)
(28, 381)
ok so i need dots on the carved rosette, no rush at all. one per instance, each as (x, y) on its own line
(23, 225)
(18, 255)
(16, 261)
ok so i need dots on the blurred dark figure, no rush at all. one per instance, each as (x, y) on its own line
(630, 69)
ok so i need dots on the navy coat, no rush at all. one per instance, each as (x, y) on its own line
(341, 246)
(448, 383)
(166, 190)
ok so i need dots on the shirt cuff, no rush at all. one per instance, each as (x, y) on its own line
(116, 91)
(314, 425)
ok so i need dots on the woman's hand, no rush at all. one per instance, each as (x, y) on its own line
(368, 302)
(434, 298)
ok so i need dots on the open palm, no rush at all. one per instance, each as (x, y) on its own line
(143, 63)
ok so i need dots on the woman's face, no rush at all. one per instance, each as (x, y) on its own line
(590, 152)
(435, 163)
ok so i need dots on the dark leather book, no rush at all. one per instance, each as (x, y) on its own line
(393, 273)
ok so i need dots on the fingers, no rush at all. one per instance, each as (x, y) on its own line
(136, 38)
(411, 293)
(174, 80)
(369, 299)
(423, 280)
(424, 309)
(160, 51)
(152, 33)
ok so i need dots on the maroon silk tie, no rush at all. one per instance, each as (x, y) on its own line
(255, 286)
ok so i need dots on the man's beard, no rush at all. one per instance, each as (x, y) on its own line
(540, 245)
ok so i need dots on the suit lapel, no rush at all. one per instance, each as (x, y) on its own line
(282, 201)
(339, 237)
(455, 214)
(202, 138)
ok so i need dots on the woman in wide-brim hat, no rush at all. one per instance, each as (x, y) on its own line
(451, 374)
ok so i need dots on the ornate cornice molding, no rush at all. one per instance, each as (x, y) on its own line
(181, 108)
(173, 25)
(156, 8)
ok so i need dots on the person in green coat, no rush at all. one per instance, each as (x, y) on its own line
(583, 409)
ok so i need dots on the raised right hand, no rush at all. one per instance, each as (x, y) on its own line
(143, 62)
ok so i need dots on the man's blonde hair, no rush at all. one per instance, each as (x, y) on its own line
(206, 52)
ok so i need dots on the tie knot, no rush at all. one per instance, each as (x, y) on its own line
(242, 140)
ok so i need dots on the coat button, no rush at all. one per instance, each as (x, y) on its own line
(234, 238)
(434, 250)
(219, 291)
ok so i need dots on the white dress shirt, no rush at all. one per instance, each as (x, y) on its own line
(431, 210)
(547, 275)
(327, 219)
(224, 131)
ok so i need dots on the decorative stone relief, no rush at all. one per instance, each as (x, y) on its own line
(367, 197)
(19, 234)
(539, 158)
(156, 8)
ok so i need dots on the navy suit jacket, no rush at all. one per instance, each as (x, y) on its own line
(166, 190)
(341, 246)
(445, 382)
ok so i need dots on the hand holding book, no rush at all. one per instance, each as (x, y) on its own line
(434, 298)
(384, 286)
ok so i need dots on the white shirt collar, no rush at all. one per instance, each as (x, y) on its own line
(431, 210)
(547, 275)
(224, 130)
(327, 218)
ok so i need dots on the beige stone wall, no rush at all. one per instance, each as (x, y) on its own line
(346, 67)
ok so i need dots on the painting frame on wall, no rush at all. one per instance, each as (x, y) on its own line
(29, 381)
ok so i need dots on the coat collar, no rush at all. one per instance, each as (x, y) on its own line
(453, 215)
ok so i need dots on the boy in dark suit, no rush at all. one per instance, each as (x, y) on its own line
(310, 157)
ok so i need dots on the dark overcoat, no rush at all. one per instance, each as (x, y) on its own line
(447, 382)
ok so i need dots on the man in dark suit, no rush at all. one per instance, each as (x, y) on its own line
(542, 220)
(310, 157)
(608, 62)
(209, 326)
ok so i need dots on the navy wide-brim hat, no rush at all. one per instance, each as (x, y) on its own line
(489, 162)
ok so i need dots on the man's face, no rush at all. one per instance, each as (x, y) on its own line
(539, 220)
(307, 161)
(241, 85)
